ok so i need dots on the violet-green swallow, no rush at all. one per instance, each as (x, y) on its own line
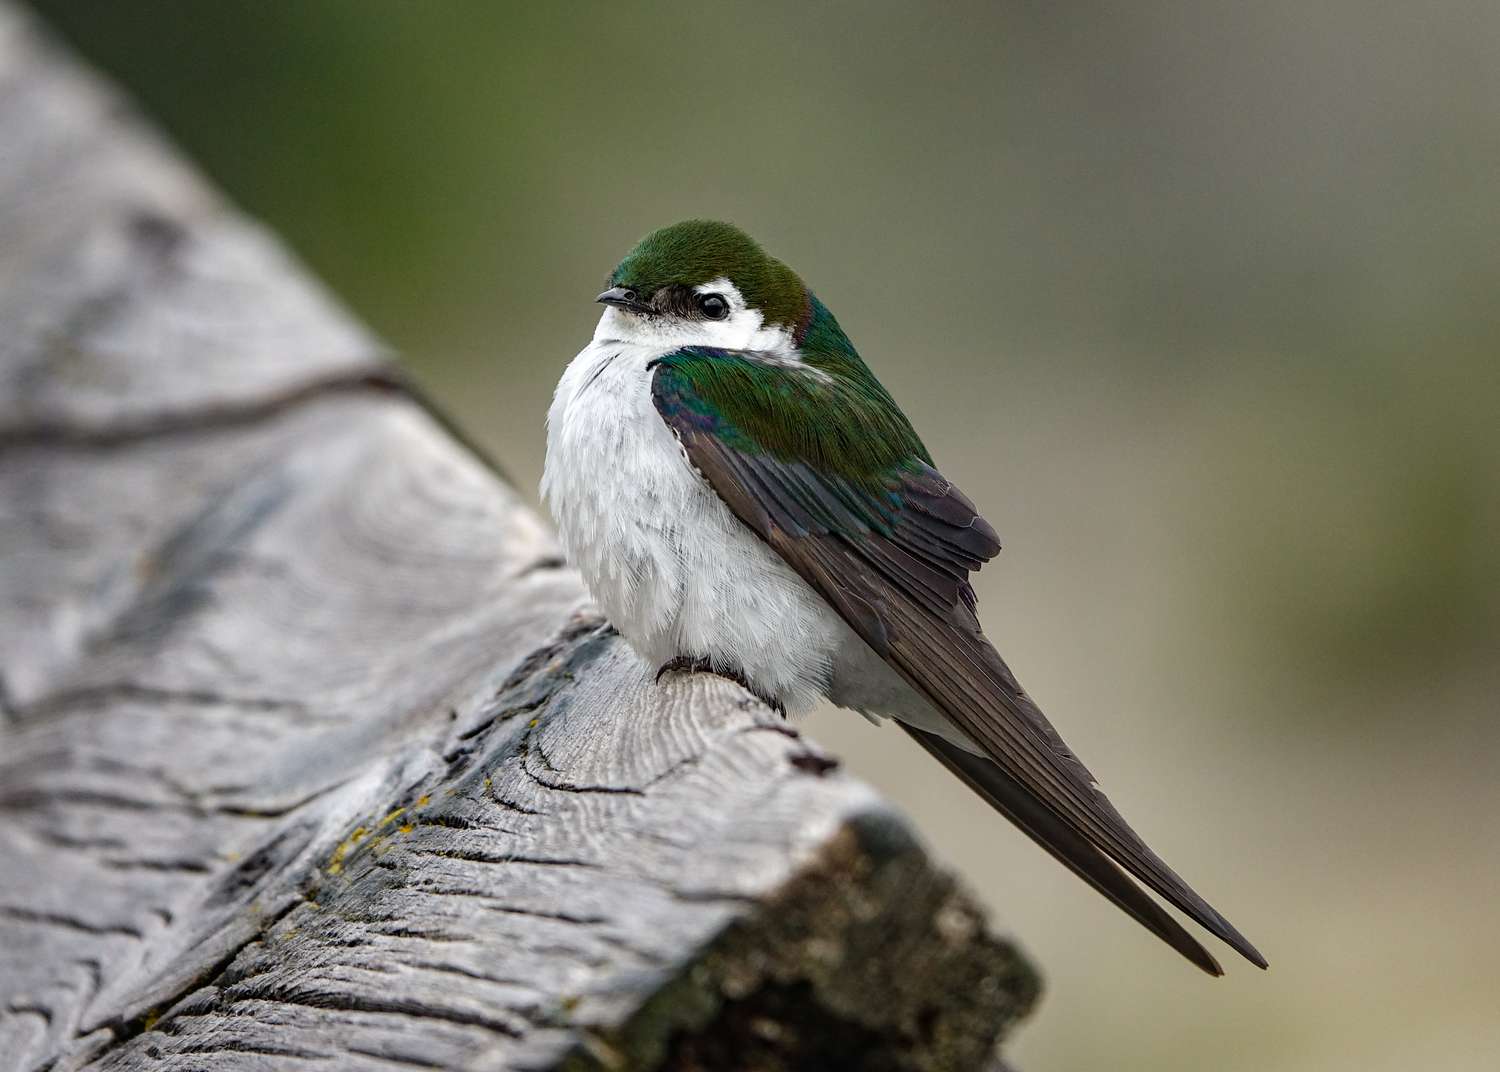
(742, 496)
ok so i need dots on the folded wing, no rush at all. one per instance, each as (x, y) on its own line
(891, 550)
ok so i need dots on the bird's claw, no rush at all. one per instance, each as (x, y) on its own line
(699, 664)
(684, 664)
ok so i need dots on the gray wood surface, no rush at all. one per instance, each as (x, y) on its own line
(311, 751)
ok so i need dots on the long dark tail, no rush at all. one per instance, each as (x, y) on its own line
(1007, 797)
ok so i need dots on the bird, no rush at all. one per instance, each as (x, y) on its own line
(743, 497)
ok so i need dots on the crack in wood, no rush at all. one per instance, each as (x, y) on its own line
(124, 1030)
(181, 866)
(394, 1058)
(474, 856)
(62, 435)
(359, 1003)
(61, 704)
(528, 748)
(208, 1049)
(34, 797)
(448, 968)
(61, 919)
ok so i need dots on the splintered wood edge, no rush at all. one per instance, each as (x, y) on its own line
(866, 956)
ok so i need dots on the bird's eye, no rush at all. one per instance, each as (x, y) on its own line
(714, 306)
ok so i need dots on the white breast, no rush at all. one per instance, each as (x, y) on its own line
(675, 571)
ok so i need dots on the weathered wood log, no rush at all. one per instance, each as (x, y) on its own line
(312, 752)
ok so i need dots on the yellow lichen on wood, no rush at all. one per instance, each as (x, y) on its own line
(336, 861)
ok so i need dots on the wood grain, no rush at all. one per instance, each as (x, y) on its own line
(311, 751)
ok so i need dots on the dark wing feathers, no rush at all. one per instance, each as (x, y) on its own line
(892, 556)
(966, 678)
(1011, 799)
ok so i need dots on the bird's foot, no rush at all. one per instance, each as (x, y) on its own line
(701, 664)
(685, 664)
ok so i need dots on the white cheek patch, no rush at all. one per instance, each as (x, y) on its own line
(747, 327)
(743, 329)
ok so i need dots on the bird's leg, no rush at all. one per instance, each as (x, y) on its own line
(701, 664)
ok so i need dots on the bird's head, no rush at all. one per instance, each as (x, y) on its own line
(704, 283)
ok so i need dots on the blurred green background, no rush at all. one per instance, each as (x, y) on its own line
(1198, 301)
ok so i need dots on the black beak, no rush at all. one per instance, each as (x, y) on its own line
(624, 298)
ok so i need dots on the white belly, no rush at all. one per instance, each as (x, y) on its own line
(676, 572)
(673, 569)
